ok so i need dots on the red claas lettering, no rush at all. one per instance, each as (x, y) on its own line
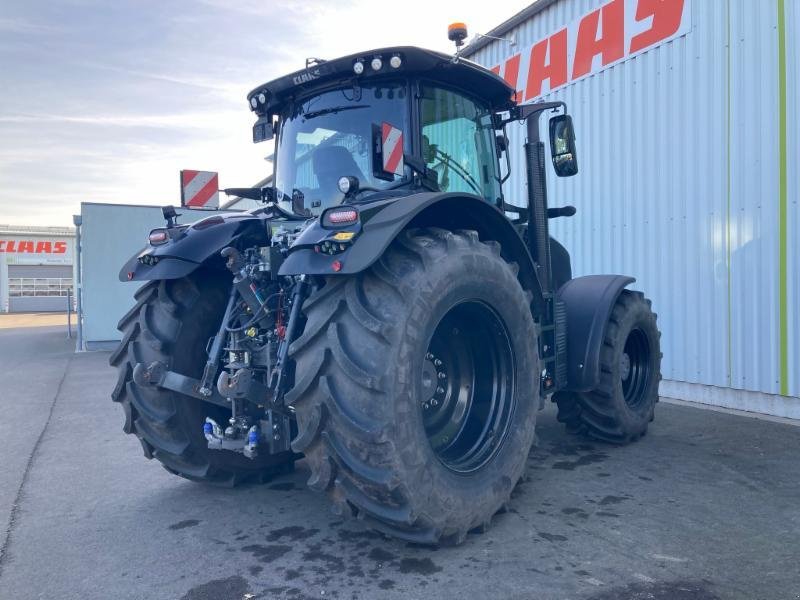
(31, 247)
(612, 32)
(667, 16)
(548, 61)
(511, 74)
(610, 45)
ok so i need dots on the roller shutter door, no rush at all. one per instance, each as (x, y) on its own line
(38, 288)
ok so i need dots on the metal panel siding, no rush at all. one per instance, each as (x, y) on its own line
(38, 304)
(678, 184)
(110, 235)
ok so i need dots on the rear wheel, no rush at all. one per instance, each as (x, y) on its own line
(620, 408)
(417, 386)
(171, 323)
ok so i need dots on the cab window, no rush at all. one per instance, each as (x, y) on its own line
(458, 143)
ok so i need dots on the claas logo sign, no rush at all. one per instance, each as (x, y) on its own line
(32, 247)
(612, 33)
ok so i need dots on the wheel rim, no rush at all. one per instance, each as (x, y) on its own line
(634, 367)
(467, 387)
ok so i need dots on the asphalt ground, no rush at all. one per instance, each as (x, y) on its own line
(706, 506)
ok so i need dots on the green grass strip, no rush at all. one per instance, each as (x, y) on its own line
(783, 300)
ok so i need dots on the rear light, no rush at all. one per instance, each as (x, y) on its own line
(345, 216)
(338, 217)
(157, 237)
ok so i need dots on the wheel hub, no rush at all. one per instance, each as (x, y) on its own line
(624, 366)
(434, 376)
(634, 367)
(466, 390)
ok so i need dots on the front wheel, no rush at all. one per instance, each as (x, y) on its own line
(619, 409)
(417, 386)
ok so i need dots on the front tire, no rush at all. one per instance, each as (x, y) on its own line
(417, 386)
(619, 410)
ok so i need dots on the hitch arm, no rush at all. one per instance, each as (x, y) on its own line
(156, 375)
(279, 378)
(210, 371)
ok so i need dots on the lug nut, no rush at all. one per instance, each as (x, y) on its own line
(429, 356)
(437, 362)
(440, 390)
(442, 375)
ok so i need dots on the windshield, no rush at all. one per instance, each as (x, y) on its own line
(329, 136)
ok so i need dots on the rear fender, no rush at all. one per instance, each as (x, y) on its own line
(382, 221)
(588, 301)
(194, 245)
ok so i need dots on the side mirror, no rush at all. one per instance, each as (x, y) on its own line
(501, 143)
(263, 130)
(562, 146)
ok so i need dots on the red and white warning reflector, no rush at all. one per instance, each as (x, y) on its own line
(199, 189)
(392, 139)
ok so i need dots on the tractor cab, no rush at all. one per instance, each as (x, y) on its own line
(389, 121)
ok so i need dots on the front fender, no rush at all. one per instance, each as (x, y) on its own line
(382, 221)
(588, 302)
(379, 223)
(191, 246)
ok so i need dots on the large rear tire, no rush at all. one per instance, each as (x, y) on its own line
(417, 386)
(172, 322)
(619, 410)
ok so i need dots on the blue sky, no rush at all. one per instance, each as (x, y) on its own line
(106, 101)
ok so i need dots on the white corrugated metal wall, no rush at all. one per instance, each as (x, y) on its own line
(679, 186)
(110, 235)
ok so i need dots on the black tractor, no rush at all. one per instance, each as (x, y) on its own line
(385, 314)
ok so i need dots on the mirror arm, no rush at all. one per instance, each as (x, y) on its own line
(524, 111)
(265, 194)
(427, 176)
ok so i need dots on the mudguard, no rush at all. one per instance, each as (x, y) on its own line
(588, 301)
(190, 246)
(382, 221)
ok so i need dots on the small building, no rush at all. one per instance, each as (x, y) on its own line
(36, 268)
